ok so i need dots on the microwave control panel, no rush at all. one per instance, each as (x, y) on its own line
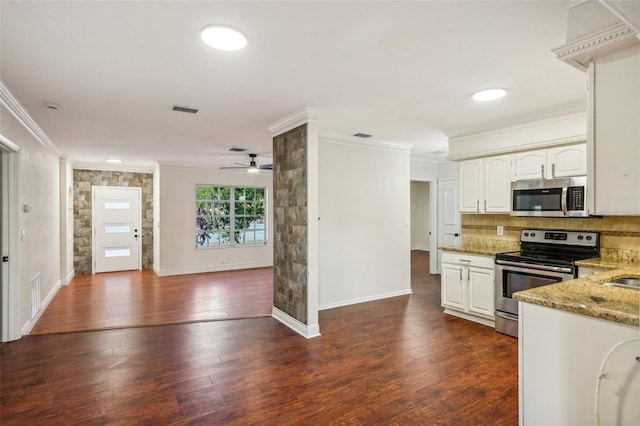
(575, 198)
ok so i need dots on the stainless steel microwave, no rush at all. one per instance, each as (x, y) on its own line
(550, 197)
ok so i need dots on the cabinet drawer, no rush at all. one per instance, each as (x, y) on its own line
(476, 260)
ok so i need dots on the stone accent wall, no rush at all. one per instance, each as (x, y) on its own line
(290, 223)
(619, 235)
(83, 180)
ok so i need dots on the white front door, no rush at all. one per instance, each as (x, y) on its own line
(117, 232)
(448, 215)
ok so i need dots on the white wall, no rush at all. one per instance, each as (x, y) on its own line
(420, 216)
(364, 246)
(177, 218)
(37, 180)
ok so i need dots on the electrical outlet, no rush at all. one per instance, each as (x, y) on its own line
(500, 230)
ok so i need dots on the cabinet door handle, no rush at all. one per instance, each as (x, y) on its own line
(553, 170)
(468, 275)
(460, 275)
(485, 206)
(542, 171)
(478, 206)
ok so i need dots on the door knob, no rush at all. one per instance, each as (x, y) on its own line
(456, 235)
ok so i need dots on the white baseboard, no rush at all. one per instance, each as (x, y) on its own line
(156, 269)
(419, 247)
(26, 329)
(214, 268)
(364, 299)
(66, 281)
(308, 331)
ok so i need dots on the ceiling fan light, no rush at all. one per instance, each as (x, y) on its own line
(223, 37)
(253, 169)
(489, 95)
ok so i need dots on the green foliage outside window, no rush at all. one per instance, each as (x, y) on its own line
(227, 216)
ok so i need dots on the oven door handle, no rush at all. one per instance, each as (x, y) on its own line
(507, 315)
(563, 202)
(522, 267)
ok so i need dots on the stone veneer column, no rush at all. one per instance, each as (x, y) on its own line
(290, 223)
(295, 242)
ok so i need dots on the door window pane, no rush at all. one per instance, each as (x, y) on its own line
(117, 229)
(117, 252)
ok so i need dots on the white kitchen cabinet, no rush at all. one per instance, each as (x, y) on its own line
(470, 185)
(551, 163)
(484, 185)
(468, 287)
(567, 161)
(614, 112)
(559, 359)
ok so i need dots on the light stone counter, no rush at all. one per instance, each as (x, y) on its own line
(587, 296)
(486, 251)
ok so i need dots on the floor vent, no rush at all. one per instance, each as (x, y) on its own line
(36, 300)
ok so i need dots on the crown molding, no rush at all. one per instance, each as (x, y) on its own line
(334, 138)
(580, 52)
(7, 145)
(306, 115)
(112, 168)
(12, 104)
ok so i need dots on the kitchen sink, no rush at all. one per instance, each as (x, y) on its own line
(630, 282)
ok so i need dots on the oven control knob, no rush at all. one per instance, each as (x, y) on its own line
(533, 234)
(526, 234)
(589, 237)
(580, 237)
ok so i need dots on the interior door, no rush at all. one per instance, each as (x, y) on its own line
(448, 215)
(116, 229)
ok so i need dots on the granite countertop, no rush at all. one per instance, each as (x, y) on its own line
(603, 263)
(587, 296)
(486, 251)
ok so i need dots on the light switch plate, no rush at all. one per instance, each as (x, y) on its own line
(500, 230)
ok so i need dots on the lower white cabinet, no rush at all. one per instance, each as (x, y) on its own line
(468, 286)
(569, 364)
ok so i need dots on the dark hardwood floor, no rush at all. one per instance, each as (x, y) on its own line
(394, 361)
(141, 298)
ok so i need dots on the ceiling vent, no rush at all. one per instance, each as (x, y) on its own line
(362, 135)
(186, 109)
(233, 149)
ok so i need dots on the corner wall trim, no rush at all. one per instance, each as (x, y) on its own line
(308, 331)
(66, 281)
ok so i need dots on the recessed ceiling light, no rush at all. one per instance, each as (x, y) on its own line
(113, 160)
(223, 37)
(489, 95)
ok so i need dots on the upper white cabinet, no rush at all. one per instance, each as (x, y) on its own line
(485, 185)
(614, 162)
(551, 163)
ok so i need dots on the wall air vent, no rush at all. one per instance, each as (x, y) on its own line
(186, 109)
(233, 149)
(362, 135)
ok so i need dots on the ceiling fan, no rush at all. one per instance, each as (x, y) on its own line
(252, 167)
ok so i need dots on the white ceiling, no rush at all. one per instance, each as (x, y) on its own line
(401, 71)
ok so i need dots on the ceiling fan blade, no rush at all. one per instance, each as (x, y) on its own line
(266, 167)
(241, 164)
(244, 167)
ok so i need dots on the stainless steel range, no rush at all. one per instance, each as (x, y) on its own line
(545, 257)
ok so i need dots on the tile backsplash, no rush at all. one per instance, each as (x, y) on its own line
(619, 235)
